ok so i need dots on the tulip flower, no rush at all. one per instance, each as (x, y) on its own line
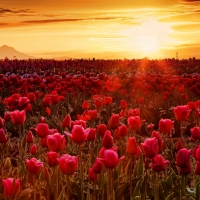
(195, 133)
(79, 135)
(7, 116)
(182, 158)
(196, 153)
(56, 142)
(80, 122)
(107, 140)
(131, 146)
(29, 137)
(91, 175)
(3, 138)
(123, 130)
(165, 125)
(107, 100)
(68, 164)
(134, 122)
(123, 104)
(18, 117)
(42, 130)
(33, 149)
(46, 174)
(1, 122)
(114, 121)
(92, 114)
(91, 135)
(85, 105)
(52, 159)
(158, 137)
(23, 102)
(11, 187)
(179, 145)
(101, 129)
(98, 102)
(97, 167)
(150, 147)
(197, 168)
(110, 159)
(181, 113)
(159, 163)
(66, 121)
(31, 96)
(34, 166)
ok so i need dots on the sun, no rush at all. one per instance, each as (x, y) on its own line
(147, 44)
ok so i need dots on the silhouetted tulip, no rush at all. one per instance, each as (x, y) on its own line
(68, 164)
(52, 159)
(165, 125)
(110, 159)
(150, 147)
(34, 166)
(11, 187)
(56, 142)
(181, 113)
(18, 117)
(79, 135)
(159, 163)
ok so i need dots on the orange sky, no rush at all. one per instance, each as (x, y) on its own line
(101, 28)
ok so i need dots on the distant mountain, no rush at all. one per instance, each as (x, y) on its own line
(11, 53)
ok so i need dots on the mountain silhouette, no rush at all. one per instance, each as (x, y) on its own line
(11, 53)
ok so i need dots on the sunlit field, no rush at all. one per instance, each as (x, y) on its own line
(100, 129)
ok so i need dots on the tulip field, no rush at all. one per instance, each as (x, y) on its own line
(100, 129)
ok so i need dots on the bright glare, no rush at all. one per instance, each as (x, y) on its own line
(147, 44)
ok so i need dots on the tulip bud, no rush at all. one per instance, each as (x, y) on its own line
(107, 140)
(29, 137)
(46, 174)
(33, 149)
(7, 163)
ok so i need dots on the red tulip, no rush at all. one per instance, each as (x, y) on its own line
(185, 170)
(92, 114)
(107, 100)
(195, 133)
(56, 142)
(3, 138)
(131, 146)
(98, 102)
(66, 121)
(107, 140)
(91, 175)
(158, 137)
(23, 102)
(114, 121)
(46, 174)
(165, 125)
(123, 104)
(197, 168)
(181, 113)
(150, 147)
(97, 167)
(31, 96)
(196, 153)
(1, 122)
(134, 112)
(43, 142)
(123, 130)
(29, 137)
(47, 101)
(52, 159)
(110, 159)
(33, 149)
(134, 122)
(182, 158)
(18, 117)
(80, 122)
(123, 113)
(68, 164)
(92, 134)
(11, 186)
(42, 130)
(7, 116)
(85, 105)
(34, 166)
(179, 145)
(101, 129)
(191, 105)
(55, 98)
(159, 163)
(79, 135)
(141, 100)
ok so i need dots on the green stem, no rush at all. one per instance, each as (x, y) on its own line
(34, 186)
(183, 187)
(56, 182)
(81, 172)
(130, 175)
(68, 186)
(94, 190)
(102, 184)
(156, 188)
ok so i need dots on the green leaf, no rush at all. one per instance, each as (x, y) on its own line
(64, 112)
(25, 194)
(197, 191)
(121, 190)
(62, 194)
(140, 169)
(136, 192)
(170, 197)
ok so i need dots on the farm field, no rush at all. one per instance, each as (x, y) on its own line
(100, 129)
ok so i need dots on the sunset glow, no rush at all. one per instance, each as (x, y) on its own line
(100, 29)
